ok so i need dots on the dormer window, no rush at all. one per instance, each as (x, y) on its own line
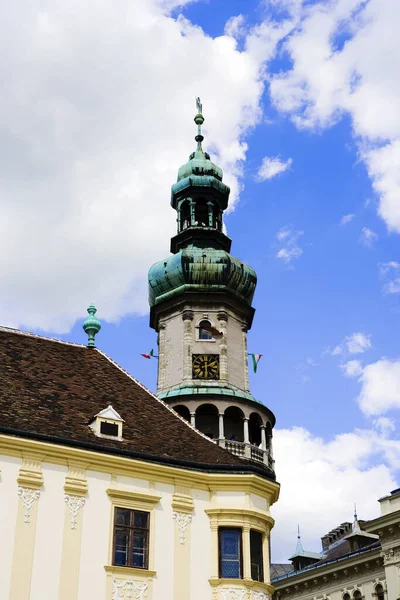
(107, 424)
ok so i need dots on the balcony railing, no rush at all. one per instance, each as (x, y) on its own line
(237, 448)
(248, 451)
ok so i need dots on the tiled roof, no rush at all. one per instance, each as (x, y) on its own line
(52, 390)
(277, 570)
(338, 552)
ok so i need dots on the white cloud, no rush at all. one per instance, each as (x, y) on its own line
(385, 425)
(337, 350)
(347, 219)
(236, 26)
(290, 239)
(390, 272)
(272, 166)
(380, 387)
(356, 343)
(330, 79)
(340, 472)
(352, 368)
(93, 128)
(368, 237)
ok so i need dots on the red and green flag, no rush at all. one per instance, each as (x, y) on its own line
(149, 355)
(256, 359)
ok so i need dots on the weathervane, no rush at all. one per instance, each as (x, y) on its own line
(199, 120)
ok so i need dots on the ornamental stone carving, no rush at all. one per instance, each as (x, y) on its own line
(391, 556)
(129, 589)
(28, 497)
(232, 593)
(260, 596)
(74, 504)
(182, 520)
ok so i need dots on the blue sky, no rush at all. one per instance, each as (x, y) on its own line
(90, 213)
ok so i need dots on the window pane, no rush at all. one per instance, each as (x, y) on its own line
(256, 557)
(108, 428)
(139, 555)
(230, 569)
(121, 547)
(140, 519)
(230, 553)
(123, 517)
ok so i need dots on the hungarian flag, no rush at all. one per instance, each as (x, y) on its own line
(149, 355)
(256, 359)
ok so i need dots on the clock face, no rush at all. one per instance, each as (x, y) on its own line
(205, 366)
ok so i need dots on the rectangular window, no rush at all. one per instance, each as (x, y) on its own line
(256, 556)
(230, 553)
(108, 428)
(131, 538)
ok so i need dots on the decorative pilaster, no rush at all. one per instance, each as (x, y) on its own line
(30, 480)
(222, 317)
(182, 505)
(161, 357)
(75, 488)
(193, 419)
(187, 317)
(245, 358)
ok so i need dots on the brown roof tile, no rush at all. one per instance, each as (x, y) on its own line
(52, 388)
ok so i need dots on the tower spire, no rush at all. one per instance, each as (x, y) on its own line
(299, 547)
(199, 120)
(356, 524)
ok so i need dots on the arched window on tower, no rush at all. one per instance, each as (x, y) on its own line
(346, 597)
(379, 592)
(183, 411)
(201, 213)
(204, 330)
(357, 595)
(185, 215)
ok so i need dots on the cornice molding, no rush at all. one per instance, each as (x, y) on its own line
(241, 516)
(132, 467)
(133, 496)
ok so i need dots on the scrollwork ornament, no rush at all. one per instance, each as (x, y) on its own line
(260, 596)
(391, 556)
(28, 497)
(232, 593)
(182, 520)
(74, 503)
(128, 589)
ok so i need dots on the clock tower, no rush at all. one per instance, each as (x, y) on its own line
(201, 307)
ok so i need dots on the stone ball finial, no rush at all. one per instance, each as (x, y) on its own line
(91, 325)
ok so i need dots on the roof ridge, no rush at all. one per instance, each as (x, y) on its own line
(41, 337)
(112, 361)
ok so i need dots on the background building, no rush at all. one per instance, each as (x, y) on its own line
(357, 561)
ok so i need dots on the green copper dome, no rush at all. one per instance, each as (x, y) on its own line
(199, 164)
(195, 269)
